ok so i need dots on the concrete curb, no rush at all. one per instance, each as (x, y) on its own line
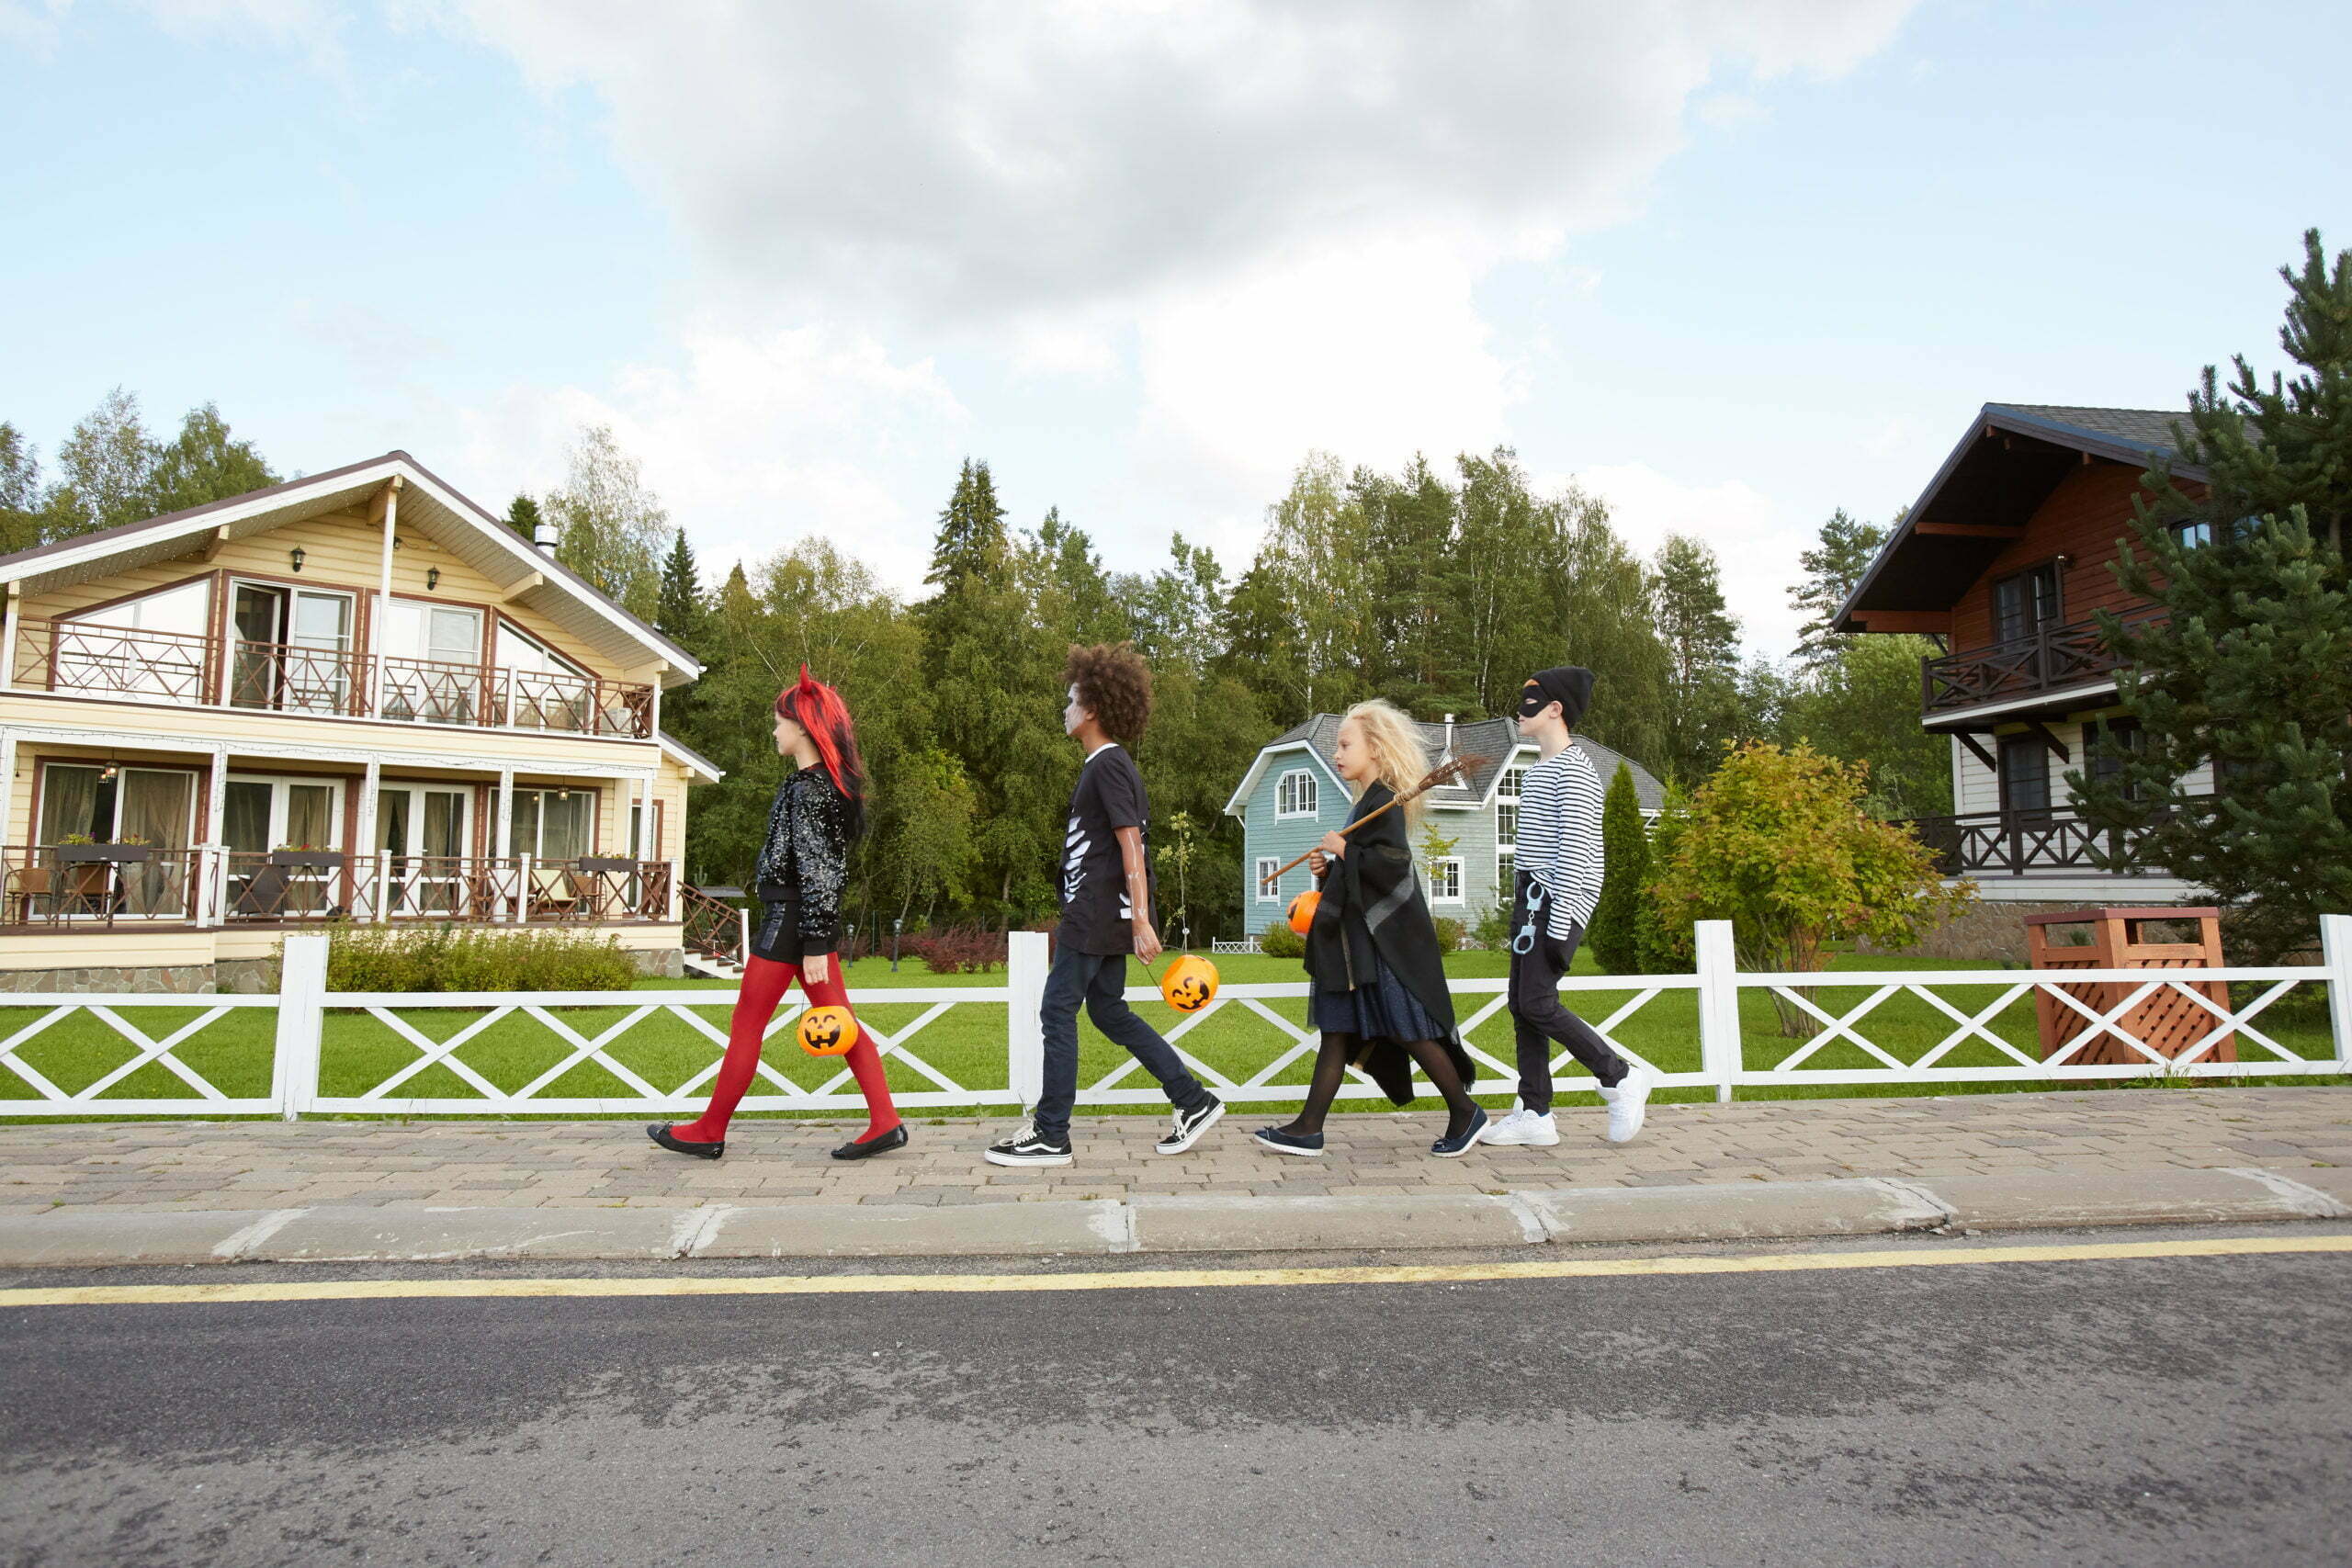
(93, 1236)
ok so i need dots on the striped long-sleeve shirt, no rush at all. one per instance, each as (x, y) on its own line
(1559, 836)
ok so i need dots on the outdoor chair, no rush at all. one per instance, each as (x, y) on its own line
(27, 883)
(555, 892)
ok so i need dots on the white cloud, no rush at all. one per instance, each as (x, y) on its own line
(1754, 537)
(754, 443)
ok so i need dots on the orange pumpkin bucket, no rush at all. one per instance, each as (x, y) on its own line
(1302, 911)
(828, 1032)
(1190, 983)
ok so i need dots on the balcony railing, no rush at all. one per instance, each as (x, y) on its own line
(60, 886)
(2019, 843)
(2050, 660)
(121, 661)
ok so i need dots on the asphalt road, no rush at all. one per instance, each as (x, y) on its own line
(2176, 1411)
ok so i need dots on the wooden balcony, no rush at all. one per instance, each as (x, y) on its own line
(51, 887)
(2052, 660)
(2022, 843)
(149, 666)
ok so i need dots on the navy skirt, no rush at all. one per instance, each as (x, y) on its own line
(1379, 1009)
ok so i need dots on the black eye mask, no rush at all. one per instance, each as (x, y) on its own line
(1570, 685)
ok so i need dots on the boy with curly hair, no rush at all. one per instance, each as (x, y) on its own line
(1106, 896)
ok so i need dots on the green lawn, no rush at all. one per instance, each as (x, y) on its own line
(966, 1044)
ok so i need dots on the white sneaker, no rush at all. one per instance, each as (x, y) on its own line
(1627, 1103)
(1524, 1126)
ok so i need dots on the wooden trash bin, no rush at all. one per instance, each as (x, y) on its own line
(2164, 1021)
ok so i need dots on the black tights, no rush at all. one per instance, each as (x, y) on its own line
(1331, 1066)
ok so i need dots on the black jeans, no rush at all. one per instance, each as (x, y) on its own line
(1096, 979)
(1539, 1020)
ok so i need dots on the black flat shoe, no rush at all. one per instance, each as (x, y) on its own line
(896, 1138)
(678, 1145)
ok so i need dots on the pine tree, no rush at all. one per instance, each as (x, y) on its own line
(1832, 567)
(1616, 934)
(682, 614)
(1702, 646)
(2248, 681)
(523, 516)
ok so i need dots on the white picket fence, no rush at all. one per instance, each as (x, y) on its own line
(1729, 1057)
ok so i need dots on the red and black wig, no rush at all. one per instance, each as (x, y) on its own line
(819, 710)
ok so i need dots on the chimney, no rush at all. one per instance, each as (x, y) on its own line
(1447, 755)
(544, 537)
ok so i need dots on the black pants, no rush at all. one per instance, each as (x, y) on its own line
(1096, 980)
(1539, 1020)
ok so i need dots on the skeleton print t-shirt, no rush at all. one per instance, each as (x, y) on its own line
(1097, 914)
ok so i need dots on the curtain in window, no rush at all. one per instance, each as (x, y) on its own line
(564, 831)
(309, 816)
(70, 805)
(156, 809)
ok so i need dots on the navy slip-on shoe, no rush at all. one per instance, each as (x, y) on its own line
(675, 1144)
(1453, 1148)
(1276, 1140)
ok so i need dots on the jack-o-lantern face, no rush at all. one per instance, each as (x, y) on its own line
(828, 1032)
(1190, 983)
(1302, 911)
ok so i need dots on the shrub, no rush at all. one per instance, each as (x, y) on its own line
(1449, 932)
(958, 950)
(440, 958)
(1616, 937)
(1278, 940)
(1491, 931)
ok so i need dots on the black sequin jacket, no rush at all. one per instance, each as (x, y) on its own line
(805, 857)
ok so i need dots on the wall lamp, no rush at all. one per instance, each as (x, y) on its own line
(432, 578)
(296, 554)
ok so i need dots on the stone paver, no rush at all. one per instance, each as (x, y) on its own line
(267, 1166)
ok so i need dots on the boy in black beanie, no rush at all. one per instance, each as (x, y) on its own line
(1558, 869)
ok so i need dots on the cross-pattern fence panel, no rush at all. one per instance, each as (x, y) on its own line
(595, 1052)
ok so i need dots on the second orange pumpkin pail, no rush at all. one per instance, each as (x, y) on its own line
(1190, 983)
(1302, 911)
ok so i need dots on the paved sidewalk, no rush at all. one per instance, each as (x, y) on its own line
(585, 1164)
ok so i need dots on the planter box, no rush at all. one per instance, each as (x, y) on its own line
(73, 854)
(314, 860)
(605, 863)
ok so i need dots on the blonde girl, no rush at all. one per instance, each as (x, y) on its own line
(1379, 994)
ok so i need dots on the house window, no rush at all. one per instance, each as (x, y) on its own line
(1507, 809)
(1506, 865)
(148, 647)
(2026, 602)
(1295, 794)
(543, 689)
(2122, 731)
(291, 649)
(1446, 880)
(1270, 886)
(104, 803)
(2193, 535)
(552, 824)
(2025, 774)
(432, 667)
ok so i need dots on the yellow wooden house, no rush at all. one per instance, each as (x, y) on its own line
(355, 696)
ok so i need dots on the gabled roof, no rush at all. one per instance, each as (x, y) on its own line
(2013, 456)
(1495, 740)
(690, 760)
(428, 505)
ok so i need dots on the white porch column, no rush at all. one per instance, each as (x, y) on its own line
(8, 635)
(391, 500)
(369, 906)
(8, 792)
(502, 844)
(212, 854)
(655, 719)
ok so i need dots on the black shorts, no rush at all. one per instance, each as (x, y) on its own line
(776, 934)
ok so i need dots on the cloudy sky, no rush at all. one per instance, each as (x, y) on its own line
(1729, 263)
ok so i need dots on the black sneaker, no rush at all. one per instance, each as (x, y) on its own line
(1025, 1147)
(1189, 1127)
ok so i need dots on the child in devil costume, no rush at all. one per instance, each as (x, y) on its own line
(1106, 915)
(1380, 998)
(1558, 884)
(803, 865)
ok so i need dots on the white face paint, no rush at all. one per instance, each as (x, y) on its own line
(1074, 715)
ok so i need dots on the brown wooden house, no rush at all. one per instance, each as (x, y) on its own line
(2004, 557)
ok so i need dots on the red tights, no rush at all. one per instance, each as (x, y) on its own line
(764, 985)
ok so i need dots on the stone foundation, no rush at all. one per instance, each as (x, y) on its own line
(178, 980)
(658, 964)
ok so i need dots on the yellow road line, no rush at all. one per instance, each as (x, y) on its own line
(1152, 1279)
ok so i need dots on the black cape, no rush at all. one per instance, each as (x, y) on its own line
(1373, 905)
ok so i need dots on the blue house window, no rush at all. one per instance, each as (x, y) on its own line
(1270, 886)
(1294, 794)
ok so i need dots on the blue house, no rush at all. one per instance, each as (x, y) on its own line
(1291, 795)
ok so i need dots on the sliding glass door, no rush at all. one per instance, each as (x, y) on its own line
(422, 830)
(292, 649)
